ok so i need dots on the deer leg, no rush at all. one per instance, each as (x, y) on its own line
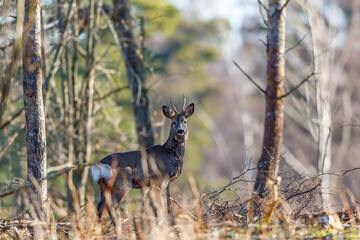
(123, 185)
(101, 205)
(168, 200)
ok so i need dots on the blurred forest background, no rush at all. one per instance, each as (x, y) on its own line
(188, 48)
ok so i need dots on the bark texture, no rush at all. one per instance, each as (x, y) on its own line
(135, 72)
(33, 104)
(269, 161)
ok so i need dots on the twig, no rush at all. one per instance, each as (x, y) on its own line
(262, 5)
(15, 179)
(296, 87)
(262, 41)
(346, 125)
(261, 13)
(58, 168)
(282, 8)
(12, 119)
(232, 182)
(350, 170)
(11, 140)
(304, 192)
(111, 93)
(296, 44)
(243, 72)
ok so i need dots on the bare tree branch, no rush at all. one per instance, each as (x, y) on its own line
(304, 192)
(11, 140)
(12, 119)
(296, 44)
(252, 80)
(111, 93)
(350, 170)
(262, 41)
(232, 182)
(282, 8)
(296, 87)
(261, 5)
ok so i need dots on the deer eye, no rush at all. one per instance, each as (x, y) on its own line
(185, 122)
(174, 123)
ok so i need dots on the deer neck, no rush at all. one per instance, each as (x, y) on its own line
(174, 145)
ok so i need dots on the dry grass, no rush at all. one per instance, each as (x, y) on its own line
(201, 216)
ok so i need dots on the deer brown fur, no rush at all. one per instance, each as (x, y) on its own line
(118, 173)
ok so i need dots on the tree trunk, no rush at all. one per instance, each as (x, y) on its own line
(268, 164)
(135, 72)
(34, 108)
(324, 91)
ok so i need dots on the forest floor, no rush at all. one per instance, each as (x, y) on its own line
(189, 222)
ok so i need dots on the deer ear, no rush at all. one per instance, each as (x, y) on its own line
(168, 112)
(189, 110)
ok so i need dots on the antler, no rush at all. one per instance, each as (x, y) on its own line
(172, 105)
(184, 104)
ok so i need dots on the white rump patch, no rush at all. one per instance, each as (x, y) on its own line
(101, 171)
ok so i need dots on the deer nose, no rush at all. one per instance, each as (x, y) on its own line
(180, 132)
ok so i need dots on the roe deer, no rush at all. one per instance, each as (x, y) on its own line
(117, 173)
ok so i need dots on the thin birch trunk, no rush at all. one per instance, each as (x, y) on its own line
(320, 38)
(74, 92)
(34, 108)
(268, 164)
(89, 94)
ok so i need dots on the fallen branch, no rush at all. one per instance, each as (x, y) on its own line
(50, 176)
(4, 225)
(14, 181)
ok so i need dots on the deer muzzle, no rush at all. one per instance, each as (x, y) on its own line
(180, 132)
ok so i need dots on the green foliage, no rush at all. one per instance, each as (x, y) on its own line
(160, 16)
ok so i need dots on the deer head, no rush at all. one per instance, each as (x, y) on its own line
(179, 120)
